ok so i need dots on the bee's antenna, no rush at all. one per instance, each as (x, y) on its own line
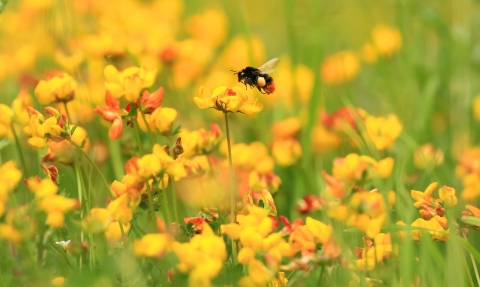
(234, 72)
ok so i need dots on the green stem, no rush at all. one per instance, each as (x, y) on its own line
(232, 190)
(137, 135)
(320, 277)
(121, 230)
(20, 153)
(92, 252)
(165, 205)
(248, 34)
(116, 158)
(68, 262)
(80, 187)
(174, 201)
(473, 262)
(68, 114)
(96, 168)
(40, 246)
(151, 209)
(230, 165)
(152, 137)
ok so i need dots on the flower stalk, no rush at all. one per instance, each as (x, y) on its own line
(95, 167)
(232, 190)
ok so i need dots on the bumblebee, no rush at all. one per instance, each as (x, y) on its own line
(259, 77)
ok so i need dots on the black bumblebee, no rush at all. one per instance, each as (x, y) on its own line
(258, 77)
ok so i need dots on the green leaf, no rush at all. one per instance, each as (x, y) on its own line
(176, 130)
(472, 220)
(4, 143)
(3, 3)
(133, 110)
(73, 129)
(132, 57)
(469, 247)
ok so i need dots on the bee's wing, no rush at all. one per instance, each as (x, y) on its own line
(268, 67)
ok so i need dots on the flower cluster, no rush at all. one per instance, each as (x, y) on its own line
(254, 167)
(50, 202)
(468, 170)
(228, 100)
(285, 147)
(344, 66)
(432, 212)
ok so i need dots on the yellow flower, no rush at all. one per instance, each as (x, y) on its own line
(69, 61)
(254, 198)
(236, 54)
(280, 280)
(324, 140)
(20, 105)
(350, 168)
(63, 151)
(287, 128)
(9, 178)
(340, 67)
(375, 251)
(114, 232)
(246, 255)
(42, 188)
(383, 168)
(6, 115)
(447, 194)
(153, 245)
(58, 88)
(268, 181)
(10, 233)
(202, 258)
(40, 130)
(286, 152)
(120, 210)
(367, 211)
(320, 231)
(200, 142)
(227, 100)
(425, 197)
(476, 107)
(259, 273)
(436, 229)
(209, 26)
(56, 206)
(255, 225)
(369, 54)
(160, 120)
(58, 281)
(366, 264)
(383, 131)
(97, 221)
(338, 212)
(305, 79)
(387, 40)
(427, 156)
(128, 83)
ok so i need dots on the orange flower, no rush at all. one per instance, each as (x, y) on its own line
(112, 113)
(346, 116)
(150, 101)
(340, 67)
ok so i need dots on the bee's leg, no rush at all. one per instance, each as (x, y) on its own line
(260, 90)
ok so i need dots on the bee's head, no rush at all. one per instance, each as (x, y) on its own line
(240, 74)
